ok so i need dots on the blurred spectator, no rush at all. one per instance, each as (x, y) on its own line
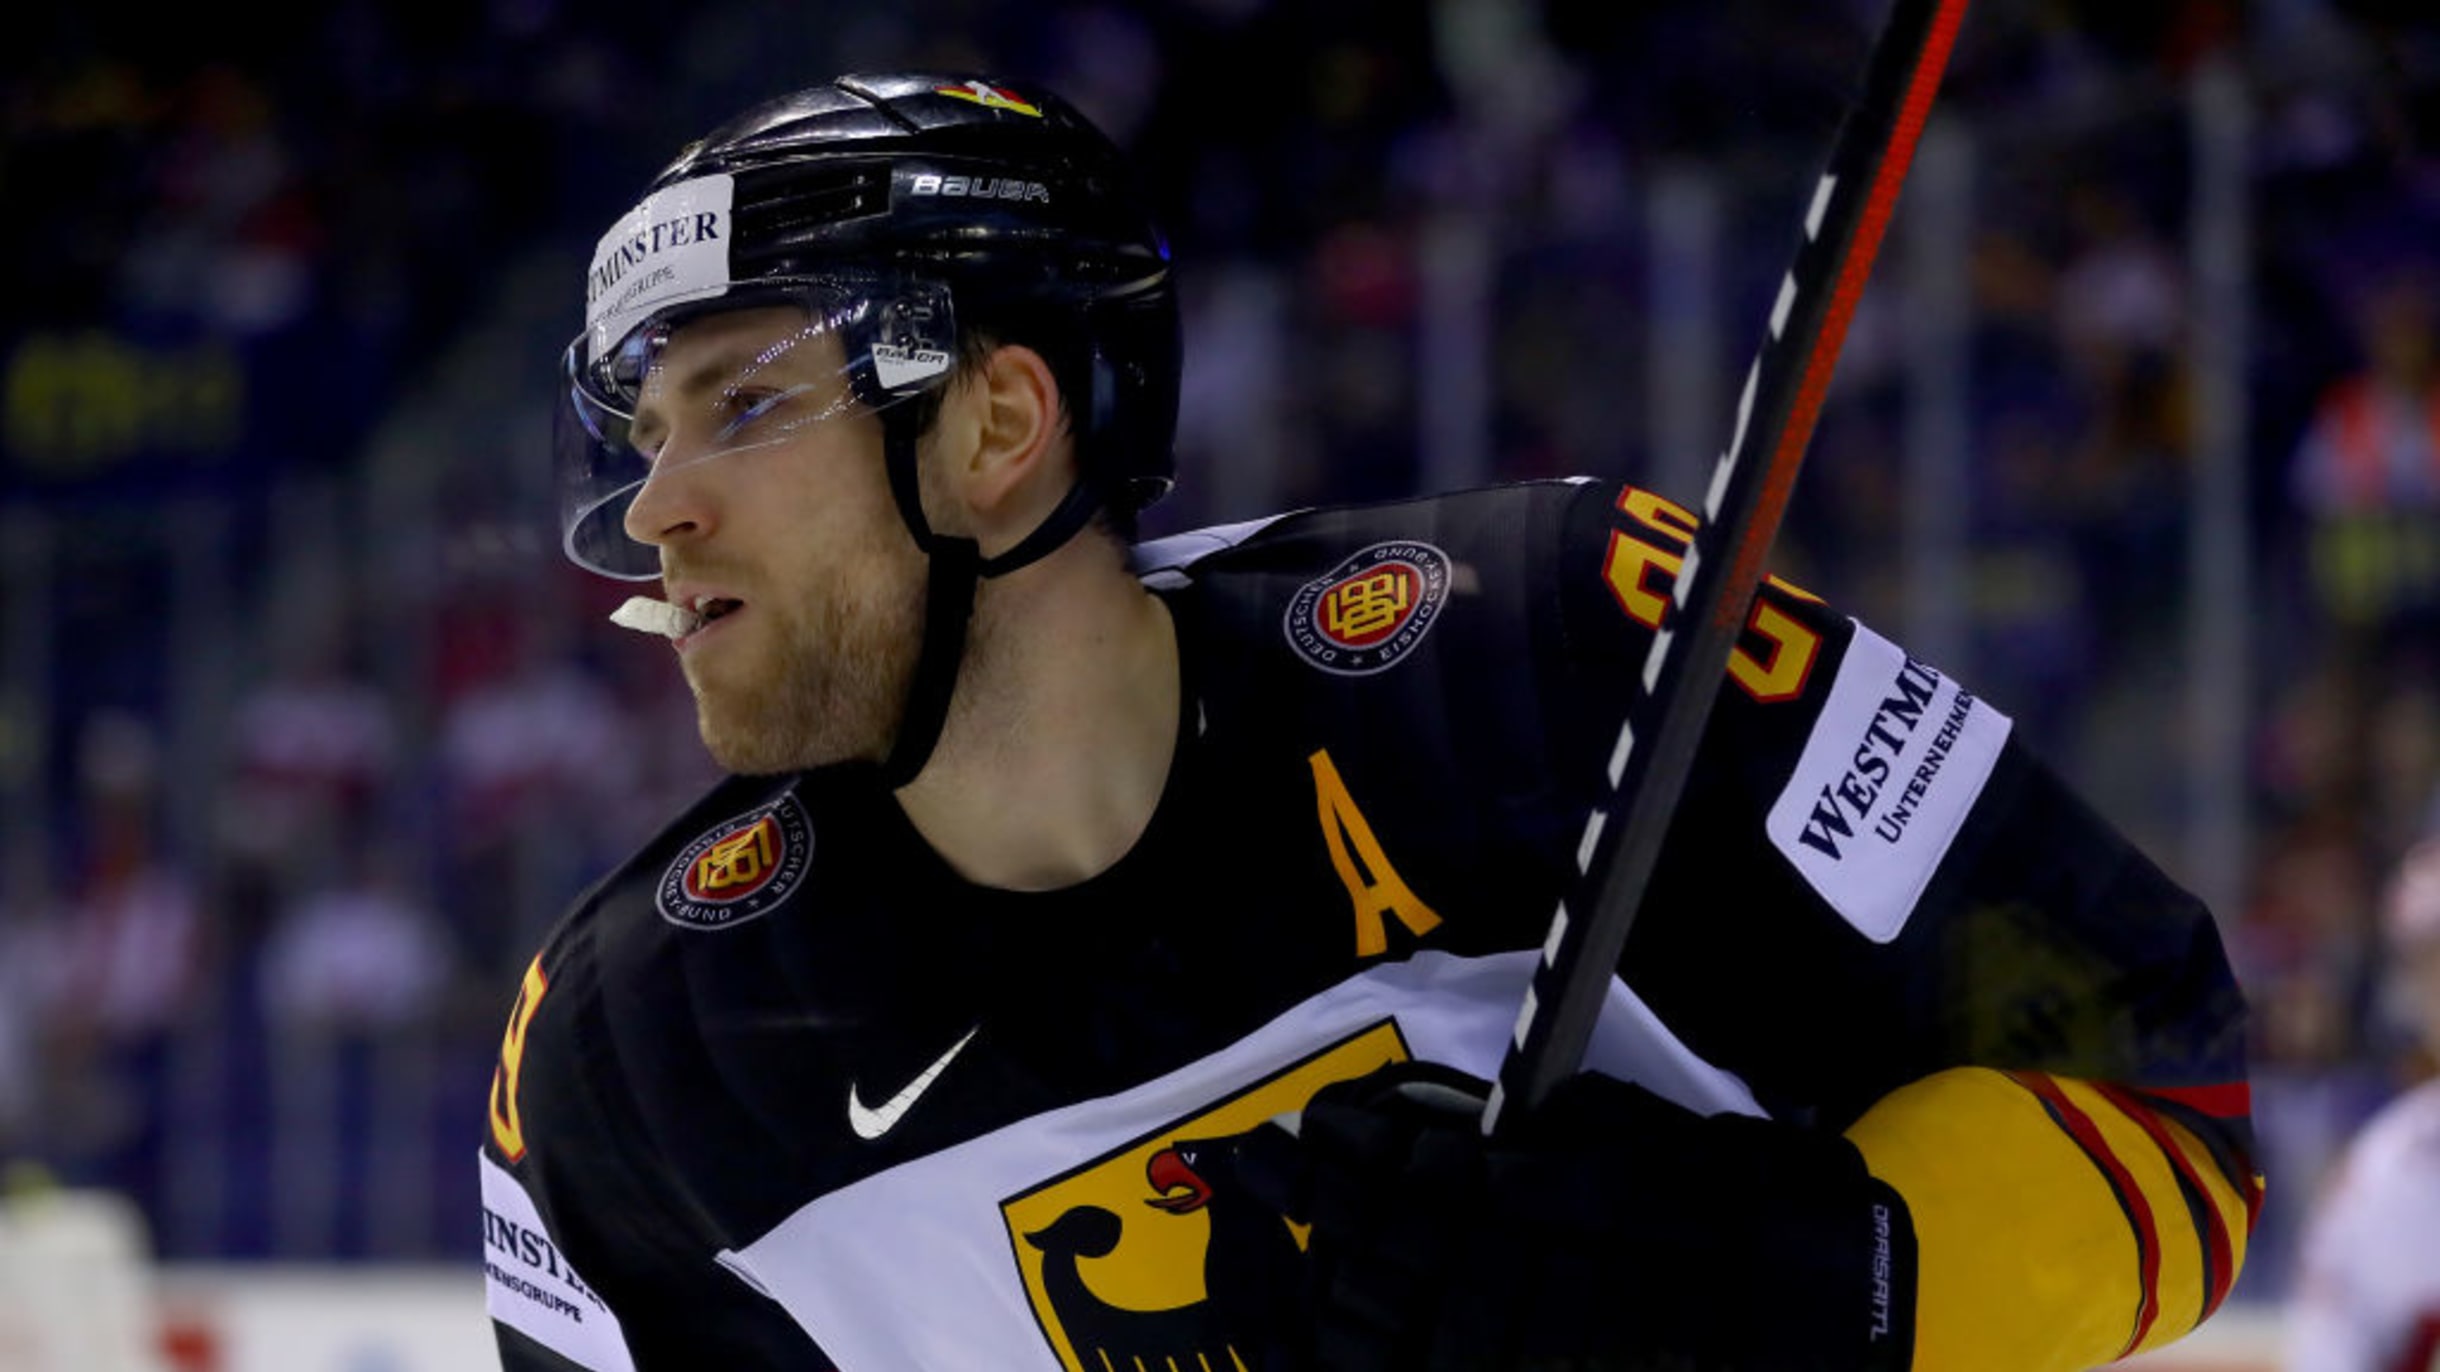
(2033, 625)
(121, 967)
(536, 759)
(2304, 947)
(534, 743)
(2122, 291)
(359, 954)
(311, 746)
(1231, 442)
(2303, 957)
(2403, 754)
(1361, 296)
(232, 234)
(2367, 475)
(2121, 322)
(127, 956)
(2369, 1298)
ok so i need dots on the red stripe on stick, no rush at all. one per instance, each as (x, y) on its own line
(2080, 1127)
(1875, 144)
(1779, 479)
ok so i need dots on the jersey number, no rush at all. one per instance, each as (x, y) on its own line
(1788, 646)
(507, 1127)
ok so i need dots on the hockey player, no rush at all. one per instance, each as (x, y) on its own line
(939, 1034)
(2368, 1298)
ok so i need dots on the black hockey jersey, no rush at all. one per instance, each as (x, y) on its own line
(784, 1091)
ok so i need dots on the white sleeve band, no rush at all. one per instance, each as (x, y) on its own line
(529, 1285)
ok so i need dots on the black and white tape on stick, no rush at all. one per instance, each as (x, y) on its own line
(1844, 222)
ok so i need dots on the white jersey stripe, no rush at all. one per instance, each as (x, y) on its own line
(912, 1267)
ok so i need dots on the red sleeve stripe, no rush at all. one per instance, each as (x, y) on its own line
(2219, 1257)
(2229, 1100)
(2080, 1127)
(2228, 1141)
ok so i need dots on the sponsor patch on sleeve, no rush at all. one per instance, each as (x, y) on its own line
(529, 1286)
(1894, 763)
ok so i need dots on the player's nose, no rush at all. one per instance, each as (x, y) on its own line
(675, 503)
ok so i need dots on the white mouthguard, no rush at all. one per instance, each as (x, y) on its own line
(646, 615)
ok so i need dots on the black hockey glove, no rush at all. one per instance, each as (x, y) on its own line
(1613, 1229)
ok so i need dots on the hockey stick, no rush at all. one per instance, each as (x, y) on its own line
(1715, 587)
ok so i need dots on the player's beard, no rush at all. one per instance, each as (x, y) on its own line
(825, 682)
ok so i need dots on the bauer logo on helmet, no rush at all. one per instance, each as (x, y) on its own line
(979, 187)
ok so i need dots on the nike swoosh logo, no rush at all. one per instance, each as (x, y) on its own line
(870, 1123)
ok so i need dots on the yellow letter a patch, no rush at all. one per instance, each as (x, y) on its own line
(1343, 827)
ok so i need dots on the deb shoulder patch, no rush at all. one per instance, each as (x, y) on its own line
(1366, 614)
(739, 870)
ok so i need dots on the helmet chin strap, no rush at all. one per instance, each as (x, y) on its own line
(955, 566)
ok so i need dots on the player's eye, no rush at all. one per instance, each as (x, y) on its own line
(644, 440)
(745, 408)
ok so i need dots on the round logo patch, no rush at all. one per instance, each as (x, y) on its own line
(740, 870)
(1370, 611)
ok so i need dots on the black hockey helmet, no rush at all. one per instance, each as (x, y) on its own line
(899, 208)
(885, 211)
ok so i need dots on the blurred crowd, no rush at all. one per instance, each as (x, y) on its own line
(306, 732)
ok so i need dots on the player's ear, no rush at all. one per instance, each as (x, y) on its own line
(1005, 473)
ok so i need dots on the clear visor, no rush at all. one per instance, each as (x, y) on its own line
(701, 379)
